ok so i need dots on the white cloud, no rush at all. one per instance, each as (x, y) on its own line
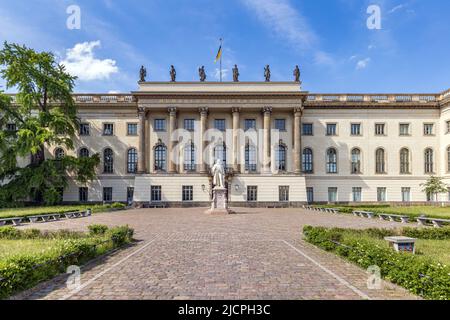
(362, 64)
(396, 8)
(80, 61)
(217, 74)
(323, 58)
(371, 46)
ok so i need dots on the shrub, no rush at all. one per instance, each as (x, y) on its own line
(120, 235)
(118, 205)
(427, 233)
(97, 229)
(9, 233)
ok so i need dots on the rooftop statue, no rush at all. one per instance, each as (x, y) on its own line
(173, 74)
(142, 74)
(297, 74)
(267, 73)
(235, 73)
(202, 74)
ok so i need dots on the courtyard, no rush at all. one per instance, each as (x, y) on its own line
(186, 254)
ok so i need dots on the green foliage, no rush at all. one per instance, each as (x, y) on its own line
(427, 233)
(120, 235)
(434, 186)
(118, 205)
(97, 229)
(45, 116)
(420, 275)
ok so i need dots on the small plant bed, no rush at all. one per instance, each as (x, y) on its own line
(426, 274)
(34, 211)
(29, 257)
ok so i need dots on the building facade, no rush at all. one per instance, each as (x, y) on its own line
(281, 146)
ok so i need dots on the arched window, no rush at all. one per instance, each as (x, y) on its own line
(132, 160)
(429, 161)
(404, 161)
(250, 158)
(108, 161)
(280, 157)
(220, 153)
(380, 161)
(160, 157)
(59, 154)
(356, 161)
(189, 157)
(332, 161)
(307, 160)
(83, 153)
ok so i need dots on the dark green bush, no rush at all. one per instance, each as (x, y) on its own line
(97, 229)
(427, 233)
(120, 235)
(118, 205)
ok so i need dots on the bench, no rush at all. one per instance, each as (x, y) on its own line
(437, 223)
(44, 218)
(364, 214)
(393, 217)
(14, 221)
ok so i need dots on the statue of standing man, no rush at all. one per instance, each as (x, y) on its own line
(218, 173)
(142, 74)
(202, 74)
(267, 73)
(173, 74)
(297, 74)
(235, 73)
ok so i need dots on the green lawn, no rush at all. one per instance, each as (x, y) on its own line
(10, 248)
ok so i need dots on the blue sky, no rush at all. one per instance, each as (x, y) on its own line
(328, 39)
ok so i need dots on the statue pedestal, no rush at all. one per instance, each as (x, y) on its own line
(220, 202)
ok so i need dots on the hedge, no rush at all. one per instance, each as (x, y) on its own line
(21, 272)
(420, 275)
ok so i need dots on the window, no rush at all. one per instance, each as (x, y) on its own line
(404, 161)
(189, 124)
(188, 193)
(280, 158)
(380, 129)
(85, 129)
(219, 124)
(307, 129)
(132, 129)
(108, 129)
(448, 159)
(283, 193)
(249, 124)
(355, 129)
(59, 154)
(160, 125)
(404, 129)
(331, 129)
(307, 160)
(252, 193)
(155, 193)
(310, 194)
(130, 195)
(160, 157)
(108, 161)
(381, 194)
(107, 194)
(332, 194)
(429, 161)
(428, 129)
(11, 127)
(332, 161)
(380, 161)
(280, 124)
(356, 161)
(357, 194)
(83, 153)
(83, 194)
(406, 194)
(250, 158)
(448, 126)
(132, 161)
(189, 157)
(220, 153)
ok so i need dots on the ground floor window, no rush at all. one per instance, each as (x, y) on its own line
(130, 195)
(406, 194)
(156, 193)
(332, 194)
(107, 194)
(310, 194)
(252, 193)
(381, 194)
(283, 193)
(188, 193)
(83, 194)
(357, 194)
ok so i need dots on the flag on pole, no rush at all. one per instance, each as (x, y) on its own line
(219, 54)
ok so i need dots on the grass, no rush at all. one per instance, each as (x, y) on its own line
(10, 248)
(31, 211)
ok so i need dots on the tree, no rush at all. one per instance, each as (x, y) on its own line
(434, 186)
(44, 115)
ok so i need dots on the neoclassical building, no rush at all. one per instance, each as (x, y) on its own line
(281, 146)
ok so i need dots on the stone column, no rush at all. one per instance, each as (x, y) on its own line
(142, 141)
(235, 155)
(298, 111)
(203, 127)
(172, 128)
(267, 111)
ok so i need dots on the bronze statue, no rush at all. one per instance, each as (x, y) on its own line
(235, 73)
(267, 73)
(297, 74)
(202, 74)
(142, 74)
(173, 74)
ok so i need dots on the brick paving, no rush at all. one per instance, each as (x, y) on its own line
(185, 254)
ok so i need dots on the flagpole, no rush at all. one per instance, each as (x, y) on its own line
(221, 45)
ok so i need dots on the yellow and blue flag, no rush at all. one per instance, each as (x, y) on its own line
(219, 55)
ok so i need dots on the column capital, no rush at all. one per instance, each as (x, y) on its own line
(172, 111)
(236, 110)
(203, 110)
(142, 110)
(267, 110)
(298, 110)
